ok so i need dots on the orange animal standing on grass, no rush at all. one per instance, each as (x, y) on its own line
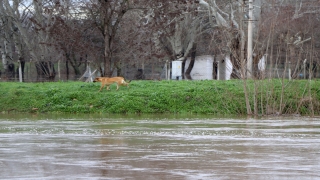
(106, 81)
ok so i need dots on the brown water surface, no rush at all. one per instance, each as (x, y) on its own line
(158, 147)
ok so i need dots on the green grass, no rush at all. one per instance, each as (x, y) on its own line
(205, 97)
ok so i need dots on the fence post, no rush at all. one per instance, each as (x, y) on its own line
(20, 71)
(59, 70)
(304, 68)
(289, 70)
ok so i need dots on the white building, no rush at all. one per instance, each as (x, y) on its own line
(203, 68)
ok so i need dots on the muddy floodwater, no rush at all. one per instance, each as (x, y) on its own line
(158, 147)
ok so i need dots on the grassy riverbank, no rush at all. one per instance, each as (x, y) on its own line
(208, 97)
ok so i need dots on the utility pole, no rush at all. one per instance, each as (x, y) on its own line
(250, 37)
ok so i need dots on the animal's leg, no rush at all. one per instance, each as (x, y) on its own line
(108, 87)
(101, 87)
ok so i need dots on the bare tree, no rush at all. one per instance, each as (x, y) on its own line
(10, 41)
(106, 17)
(135, 45)
(178, 25)
(30, 22)
(287, 42)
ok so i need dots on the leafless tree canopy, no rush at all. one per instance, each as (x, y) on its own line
(123, 36)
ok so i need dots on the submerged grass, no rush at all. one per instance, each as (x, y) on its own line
(206, 97)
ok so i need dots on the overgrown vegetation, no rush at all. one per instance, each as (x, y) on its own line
(206, 97)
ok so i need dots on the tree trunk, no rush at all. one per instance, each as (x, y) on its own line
(22, 62)
(119, 69)
(75, 65)
(215, 70)
(70, 58)
(10, 73)
(45, 71)
(183, 67)
(67, 68)
(107, 54)
(6, 51)
(4, 62)
(192, 60)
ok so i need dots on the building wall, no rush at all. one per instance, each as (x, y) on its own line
(203, 67)
(224, 68)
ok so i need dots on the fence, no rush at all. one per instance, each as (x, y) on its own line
(150, 72)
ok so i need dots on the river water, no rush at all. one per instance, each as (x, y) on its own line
(158, 147)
